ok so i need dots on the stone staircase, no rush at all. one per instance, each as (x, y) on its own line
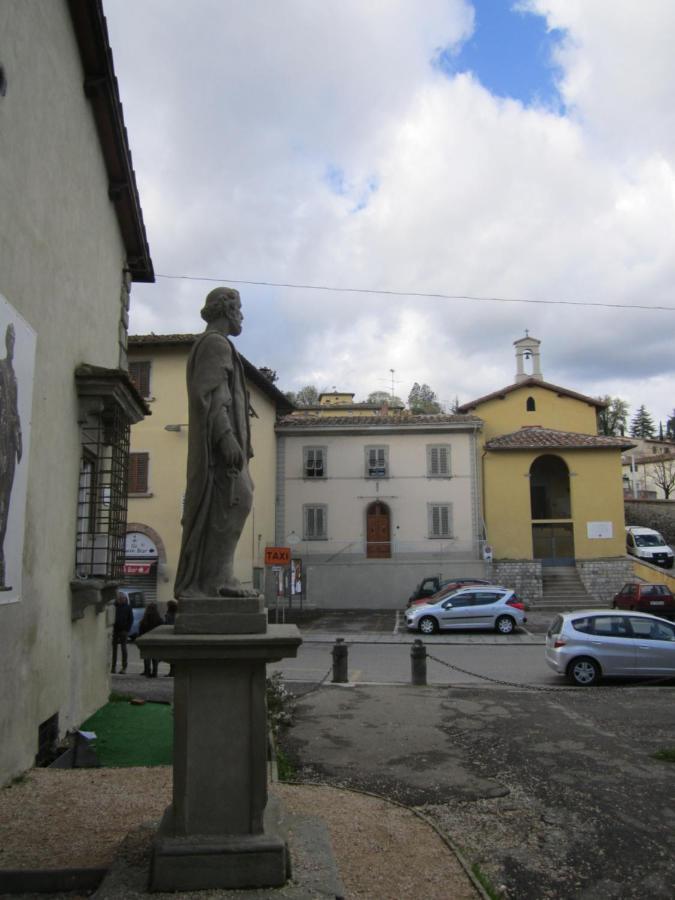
(563, 590)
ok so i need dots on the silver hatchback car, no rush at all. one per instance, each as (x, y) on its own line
(476, 606)
(587, 644)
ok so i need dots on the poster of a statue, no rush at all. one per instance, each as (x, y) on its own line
(16, 387)
(219, 492)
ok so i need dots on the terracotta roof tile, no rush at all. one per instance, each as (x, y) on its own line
(535, 438)
(405, 419)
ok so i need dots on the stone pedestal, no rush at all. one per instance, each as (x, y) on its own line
(217, 832)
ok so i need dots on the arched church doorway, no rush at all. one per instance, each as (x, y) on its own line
(378, 531)
(551, 511)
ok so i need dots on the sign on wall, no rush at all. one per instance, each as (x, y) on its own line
(17, 373)
(599, 530)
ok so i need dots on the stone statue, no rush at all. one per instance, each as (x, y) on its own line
(219, 490)
(10, 441)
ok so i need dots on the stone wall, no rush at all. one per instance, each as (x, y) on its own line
(522, 575)
(603, 578)
(657, 514)
(376, 584)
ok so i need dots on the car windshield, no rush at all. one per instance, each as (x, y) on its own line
(649, 540)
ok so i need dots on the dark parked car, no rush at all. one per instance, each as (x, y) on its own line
(430, 586)
(651, 598)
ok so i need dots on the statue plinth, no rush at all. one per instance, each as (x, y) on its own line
(221, 615)
(217, 832)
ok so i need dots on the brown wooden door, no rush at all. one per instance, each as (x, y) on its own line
(377, 532)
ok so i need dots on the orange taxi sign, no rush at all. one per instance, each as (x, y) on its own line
(277, 556)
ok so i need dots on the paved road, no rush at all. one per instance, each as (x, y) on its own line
(552, 794)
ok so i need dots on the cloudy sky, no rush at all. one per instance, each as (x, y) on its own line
(514, 159)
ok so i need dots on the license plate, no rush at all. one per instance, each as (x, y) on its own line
(657, 602)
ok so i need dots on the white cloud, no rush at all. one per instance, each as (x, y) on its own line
(238, 112)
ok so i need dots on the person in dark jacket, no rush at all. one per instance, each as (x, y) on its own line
(124, 619)
(151, 619)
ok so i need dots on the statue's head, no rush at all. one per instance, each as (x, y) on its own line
(220, 303)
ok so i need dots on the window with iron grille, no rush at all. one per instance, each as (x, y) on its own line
(314, 462)
(438, 460)
(440, 520)
(315, 523)
(377, 462)
(138, 473)
(102, 496)
(139, 372)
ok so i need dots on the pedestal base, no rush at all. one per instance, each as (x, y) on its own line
(221, 615)
(204, 862)
(217, 832)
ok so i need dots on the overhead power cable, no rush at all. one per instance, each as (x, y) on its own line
(421, 294)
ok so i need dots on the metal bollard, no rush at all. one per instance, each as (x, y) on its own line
(418, 662)
(340, 661)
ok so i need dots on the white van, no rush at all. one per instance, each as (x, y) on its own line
(647, 544)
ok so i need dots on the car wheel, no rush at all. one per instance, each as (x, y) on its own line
(583, 671)
(505, 625)
(428, 625)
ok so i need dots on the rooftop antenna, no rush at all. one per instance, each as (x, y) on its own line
(394, 381)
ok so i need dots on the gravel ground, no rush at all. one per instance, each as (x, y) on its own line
(56, 818)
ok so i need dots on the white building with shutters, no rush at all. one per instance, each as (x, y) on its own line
(370, 504)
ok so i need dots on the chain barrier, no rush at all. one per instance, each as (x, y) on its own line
(544, 689)
(516, 684)
(315, 687)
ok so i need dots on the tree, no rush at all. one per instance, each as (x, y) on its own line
(382, 397)
(670, 426)
(642, 425)
(268, 373)
(307, 396)
(612, 420)
(663, 475)
(422, 399)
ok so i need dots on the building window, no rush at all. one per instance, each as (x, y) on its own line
(139, 372)
(138, 473)
(315, 523)
(438, 460)
(107, 407)
(314, 462)
(102, 496)
(440, 520)
(377, 462)
(530, 406)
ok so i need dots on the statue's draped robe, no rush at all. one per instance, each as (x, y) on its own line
(218, 499)
(10, 448)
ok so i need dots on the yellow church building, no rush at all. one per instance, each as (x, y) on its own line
(552, 487)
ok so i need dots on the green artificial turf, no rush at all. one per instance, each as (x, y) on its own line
(128, 735)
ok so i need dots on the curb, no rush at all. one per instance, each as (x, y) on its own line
(46, 881)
